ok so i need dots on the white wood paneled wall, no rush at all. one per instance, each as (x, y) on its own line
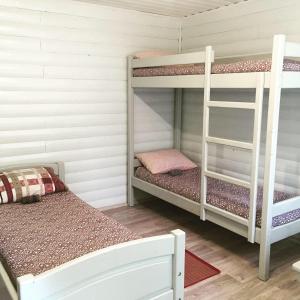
(63, 90)
(236, 124)
(244, 29)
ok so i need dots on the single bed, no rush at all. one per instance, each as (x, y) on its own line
(243, 66)
(60, 228)
(226, 196)
(61, 248)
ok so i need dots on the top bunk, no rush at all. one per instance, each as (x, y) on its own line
(189, 70)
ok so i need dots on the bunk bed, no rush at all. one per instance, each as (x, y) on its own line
(269, 216)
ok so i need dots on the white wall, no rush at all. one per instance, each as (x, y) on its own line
(244, 29)
(63, 90)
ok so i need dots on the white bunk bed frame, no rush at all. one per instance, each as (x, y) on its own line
(274, 81)
(155, 263)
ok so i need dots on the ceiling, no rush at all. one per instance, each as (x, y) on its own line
(175, 8)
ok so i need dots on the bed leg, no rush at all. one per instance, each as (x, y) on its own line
(178, 264)
(26, 285)
(264, 261)
(131, 196)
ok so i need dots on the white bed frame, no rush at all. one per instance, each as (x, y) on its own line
(258, 81)
(148, 268)
(296, 266)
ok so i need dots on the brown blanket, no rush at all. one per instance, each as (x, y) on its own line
(38, 237)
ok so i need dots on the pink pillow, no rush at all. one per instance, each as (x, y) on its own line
(153, 53)
(164, 161)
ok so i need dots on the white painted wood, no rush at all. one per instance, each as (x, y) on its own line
(255, 156)
(170, 8)
(91, 11)
(226, 214)
(179, 264)
(270, 157)
(226, 104)
(166, 60)
(63, 88)
(282, 232)
(292, 49)
(243, 29)
(283, 207)
(234, 80)
(177, 118)
(226, 178)
(231, 143)
(156, 262)
(296, 266)
(236, 163)
(207, 87)
(184, 81)
(130, 135)
(230, 81)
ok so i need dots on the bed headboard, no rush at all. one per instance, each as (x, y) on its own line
(58, 167)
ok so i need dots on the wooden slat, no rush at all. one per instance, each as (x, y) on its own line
(184, 81)
(226, 214)
(227, 104)
(231, 143)
(285, 206)
(292, 49)
(188, 58)
(63, 89)
(227, 179)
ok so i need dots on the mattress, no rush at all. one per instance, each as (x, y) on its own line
(37, 237)
(245, 66)
(227, 196)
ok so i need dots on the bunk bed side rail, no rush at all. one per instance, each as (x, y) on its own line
(292, 49)
(167, 60)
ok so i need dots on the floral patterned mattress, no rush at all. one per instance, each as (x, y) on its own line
(245, 66)
(227, 196)
(37, 237)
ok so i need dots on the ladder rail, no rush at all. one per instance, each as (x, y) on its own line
(255, 156)
(207, 83)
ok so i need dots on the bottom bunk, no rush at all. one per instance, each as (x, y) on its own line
(222, 195)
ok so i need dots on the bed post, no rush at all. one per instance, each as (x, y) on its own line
(25, 288)
(178, 264)
(208, 60)
(270, 155)
(130, 134)
(177, 119)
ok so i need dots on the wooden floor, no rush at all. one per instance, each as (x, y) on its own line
(233, 255)
(236, 258)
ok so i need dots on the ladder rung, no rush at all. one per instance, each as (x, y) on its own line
(227, 179)
(231, 143)
(226, 214)
(226, 104)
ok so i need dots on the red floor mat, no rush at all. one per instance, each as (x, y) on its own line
(197, 269)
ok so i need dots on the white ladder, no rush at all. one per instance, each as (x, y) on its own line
(254, 147)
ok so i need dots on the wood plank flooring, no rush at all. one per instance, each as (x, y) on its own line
(233, 255)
